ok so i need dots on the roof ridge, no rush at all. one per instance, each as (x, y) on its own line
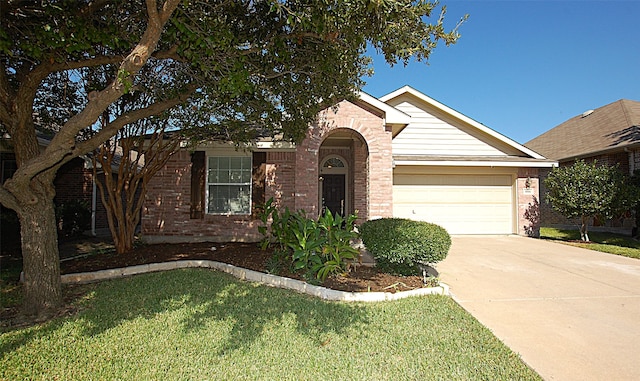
(625, 111)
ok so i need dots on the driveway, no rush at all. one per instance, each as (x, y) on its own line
(571, 313)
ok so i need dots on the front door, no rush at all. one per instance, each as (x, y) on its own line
(333, 193)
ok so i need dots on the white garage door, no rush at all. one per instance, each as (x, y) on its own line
(461, 203)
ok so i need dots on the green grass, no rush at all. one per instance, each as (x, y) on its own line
(605, 242)
(197, 324)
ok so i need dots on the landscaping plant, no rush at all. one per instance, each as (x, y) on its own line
(312, 248)
(586, 190)
(73, 218)
(401, 246)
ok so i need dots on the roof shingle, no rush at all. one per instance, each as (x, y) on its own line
(616, 125)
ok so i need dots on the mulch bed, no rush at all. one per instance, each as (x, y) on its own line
(246, 255)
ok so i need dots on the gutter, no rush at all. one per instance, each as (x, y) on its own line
(454, 163)
(580, 156)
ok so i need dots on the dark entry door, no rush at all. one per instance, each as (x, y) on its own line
(333, 193)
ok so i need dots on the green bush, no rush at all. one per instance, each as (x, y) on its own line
(73, 218)
(314, 248)
(400, 245)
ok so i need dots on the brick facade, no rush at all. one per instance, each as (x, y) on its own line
(166, 214)
(281, 179)
(73, 182)
(291, 179)
(371, 157)
(528, 200)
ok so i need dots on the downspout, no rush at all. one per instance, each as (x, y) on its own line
(93, 205)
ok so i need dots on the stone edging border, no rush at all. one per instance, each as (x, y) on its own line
(254, 276)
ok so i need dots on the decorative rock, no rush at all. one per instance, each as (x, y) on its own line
(255, 276)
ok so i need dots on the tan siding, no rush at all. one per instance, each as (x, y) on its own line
(429, 135)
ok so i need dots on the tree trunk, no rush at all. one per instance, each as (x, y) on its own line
(41, 263)
(583, 229)
(123, 240)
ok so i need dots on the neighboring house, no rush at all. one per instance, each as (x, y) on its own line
(609, 134)
(403, 155)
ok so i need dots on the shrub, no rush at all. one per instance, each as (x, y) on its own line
(73, 217)
(314, 248)
(400, 245)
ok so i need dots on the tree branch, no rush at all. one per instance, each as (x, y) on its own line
(110, 129)
(91, 62)
(171, 53)
(63, 144)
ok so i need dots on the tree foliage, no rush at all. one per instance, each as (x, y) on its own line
(586, 190)
(240, 68)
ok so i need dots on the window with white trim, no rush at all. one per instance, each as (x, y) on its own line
(229, 185)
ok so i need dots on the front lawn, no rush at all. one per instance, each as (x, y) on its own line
(600, 241)
(199, 324)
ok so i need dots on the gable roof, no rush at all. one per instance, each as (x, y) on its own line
(499, 150)
(609, 128)
(392, 114)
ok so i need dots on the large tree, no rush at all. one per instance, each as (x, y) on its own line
(243, 67)
(586, 190)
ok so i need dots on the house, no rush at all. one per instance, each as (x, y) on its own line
(403, 155)
(73, 182)
(609, 134)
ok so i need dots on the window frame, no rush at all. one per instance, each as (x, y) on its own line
(208, 184)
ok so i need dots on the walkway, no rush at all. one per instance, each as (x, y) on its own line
(571, 313)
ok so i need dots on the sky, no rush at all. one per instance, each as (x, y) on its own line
(522, 67)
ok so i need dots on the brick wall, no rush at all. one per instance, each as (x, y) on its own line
(74, 182)
(528, 202)
(291, 180)
(623, 160)
(281, 178)
(361, 181)
(634, 160)
(372, 161)
(166, 213)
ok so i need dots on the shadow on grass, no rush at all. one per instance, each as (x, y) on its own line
(195, 298)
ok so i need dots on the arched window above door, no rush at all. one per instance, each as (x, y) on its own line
(333, 162)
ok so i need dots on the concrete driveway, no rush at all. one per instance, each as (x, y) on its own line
(571, 313)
